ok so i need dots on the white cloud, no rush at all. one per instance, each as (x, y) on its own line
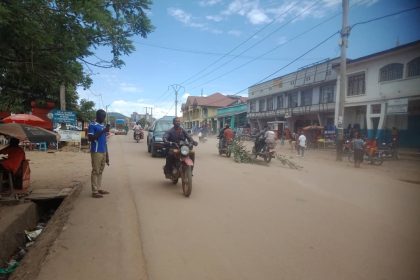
(124, 87)
(190, 21)
(257, 16)
(185, 96)
(127, 107)
(216, 18)
(236, 33)
(282, 40)
(206, 3)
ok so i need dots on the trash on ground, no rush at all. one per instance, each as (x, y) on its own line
(10, 267)
(32, 235)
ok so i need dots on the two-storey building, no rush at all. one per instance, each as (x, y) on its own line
(304, 97)
(383, 91)
(200, 111)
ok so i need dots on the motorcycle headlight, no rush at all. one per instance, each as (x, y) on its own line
(185, 150)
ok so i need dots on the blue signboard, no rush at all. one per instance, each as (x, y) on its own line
(67, 117)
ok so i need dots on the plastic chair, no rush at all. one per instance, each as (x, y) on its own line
(42, 146)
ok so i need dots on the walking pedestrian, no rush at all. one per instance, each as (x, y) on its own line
(302, 144)
(358, 148)
(97, 133)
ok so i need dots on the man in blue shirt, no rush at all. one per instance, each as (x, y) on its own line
(99, 152)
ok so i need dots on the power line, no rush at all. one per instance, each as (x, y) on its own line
(232, 50)
(270, 51)
(203, 52)
(385, 16)
(294, 60)
(259, 41)
(358, 23)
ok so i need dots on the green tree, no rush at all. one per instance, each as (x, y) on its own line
(86, 111)
(47, 43)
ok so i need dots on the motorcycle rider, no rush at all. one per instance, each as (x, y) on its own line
(226, 135)
(175, 135)
(137, 129)
(260, 140)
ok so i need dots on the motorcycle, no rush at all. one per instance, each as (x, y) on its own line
(202, 138)
(388, 151)
(265, 150)
(183, 165)
(375, 158)
(138, 135)
(225, 147)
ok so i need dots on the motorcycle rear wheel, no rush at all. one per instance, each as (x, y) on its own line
(186, 180)
(267, 158)
(175, 181)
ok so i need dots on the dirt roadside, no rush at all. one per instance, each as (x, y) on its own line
(52, 172)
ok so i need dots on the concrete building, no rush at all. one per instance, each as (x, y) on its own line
(383, 91)
(302, 98)
(235, 116)
(199, 111)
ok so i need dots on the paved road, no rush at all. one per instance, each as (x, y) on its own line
(268, 222)
(242, 221)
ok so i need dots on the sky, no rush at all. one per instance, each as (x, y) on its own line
(201, 47)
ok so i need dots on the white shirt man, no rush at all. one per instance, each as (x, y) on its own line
(137, 127)
(302, 144)
(270, 138)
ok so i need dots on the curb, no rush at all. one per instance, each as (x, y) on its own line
(32, 263)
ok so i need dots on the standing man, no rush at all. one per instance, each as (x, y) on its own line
(97, 133)
(302, 144)
(358, 149)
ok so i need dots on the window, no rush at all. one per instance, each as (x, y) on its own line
(375, 108)
(270, 104)
(391, 72)
(306, 97)
(293, 100)
(280, 103)
(414, 67)
(327, 94)
(253, 106)
(356, 84)
(262, 105)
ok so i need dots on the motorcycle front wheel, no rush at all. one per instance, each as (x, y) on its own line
(186, 180)
(377, 160)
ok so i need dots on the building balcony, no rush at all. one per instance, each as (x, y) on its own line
(301, 110)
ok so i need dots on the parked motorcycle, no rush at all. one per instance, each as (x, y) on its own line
(225, 147)
(388, 150)
(138, 135)
(375, 159)
(182, 168)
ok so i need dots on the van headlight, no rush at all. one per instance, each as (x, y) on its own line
(158, 139)
(185, 150)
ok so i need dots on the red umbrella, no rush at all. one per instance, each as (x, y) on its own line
(25, 119)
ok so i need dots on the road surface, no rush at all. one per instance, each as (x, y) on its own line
(253, 221)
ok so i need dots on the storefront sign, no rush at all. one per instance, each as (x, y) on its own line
(67, 117)
(69, 135)
(397, 106)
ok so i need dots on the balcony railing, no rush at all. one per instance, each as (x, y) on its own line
(301, 110)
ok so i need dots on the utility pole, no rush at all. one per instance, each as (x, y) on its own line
(345, 32)
(62, 98)
(176, 89)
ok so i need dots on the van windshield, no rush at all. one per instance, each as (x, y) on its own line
(163, 126)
